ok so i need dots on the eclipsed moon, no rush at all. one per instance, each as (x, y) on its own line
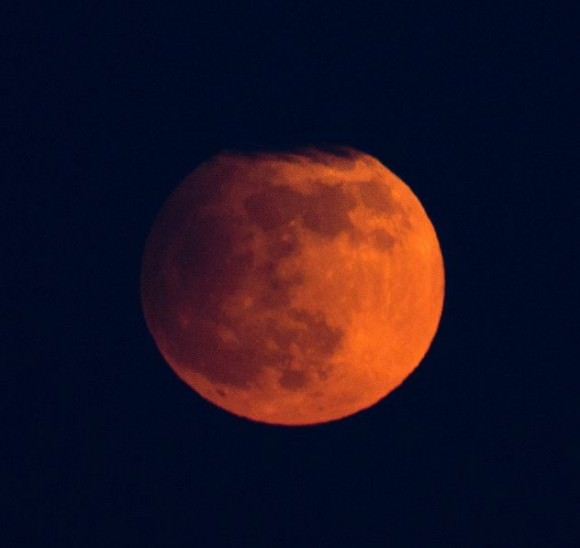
(293, 288)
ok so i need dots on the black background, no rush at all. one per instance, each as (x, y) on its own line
(108, 108)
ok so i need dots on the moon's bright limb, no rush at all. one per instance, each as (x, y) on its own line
(293, 288)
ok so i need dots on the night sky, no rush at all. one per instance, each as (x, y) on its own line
(108, 108)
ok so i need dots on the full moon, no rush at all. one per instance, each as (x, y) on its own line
(292, 287)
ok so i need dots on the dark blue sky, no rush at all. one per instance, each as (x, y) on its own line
(109, 108)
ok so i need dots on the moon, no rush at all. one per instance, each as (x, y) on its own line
(292, 287)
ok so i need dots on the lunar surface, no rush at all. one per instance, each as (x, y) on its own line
(293, 288)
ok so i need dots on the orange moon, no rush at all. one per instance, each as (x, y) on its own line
(293, 288)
